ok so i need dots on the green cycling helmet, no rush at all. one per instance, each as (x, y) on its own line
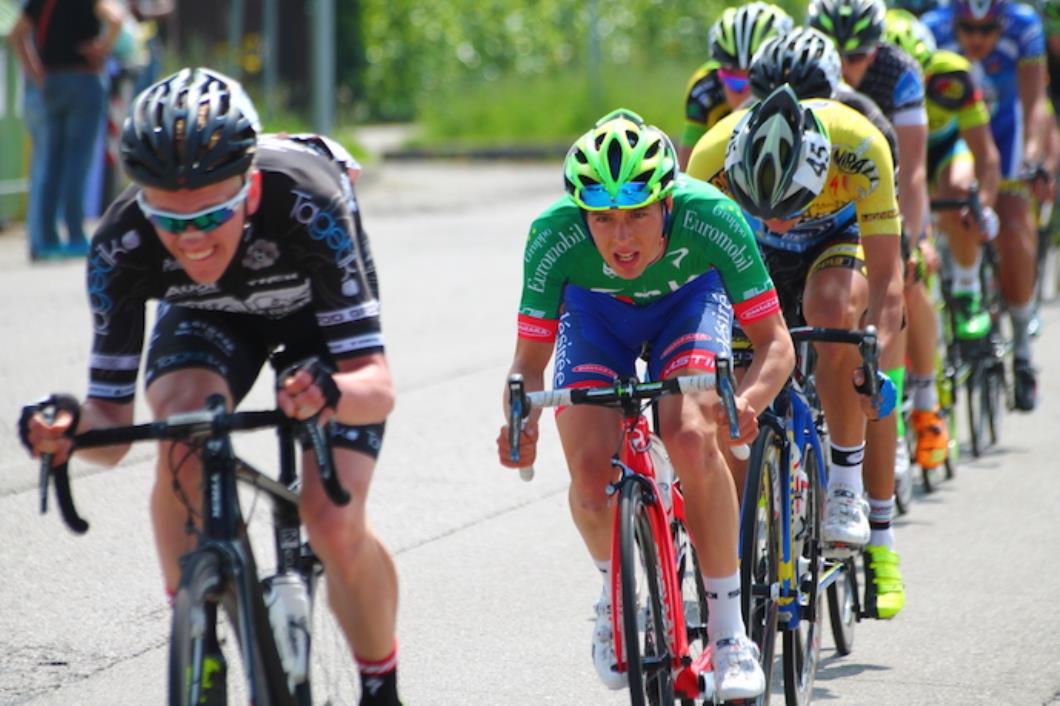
(778, 158)
(909, 34)
(621, 163)
(740, 31)
(854, 25)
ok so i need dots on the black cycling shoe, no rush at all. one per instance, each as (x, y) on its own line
(1026, 385)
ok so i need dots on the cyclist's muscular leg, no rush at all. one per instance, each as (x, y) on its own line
(690, 435)
(1017, 248)
(179, 391)
(955, 180)
(362, 580)
(590, 437)
(837, 297)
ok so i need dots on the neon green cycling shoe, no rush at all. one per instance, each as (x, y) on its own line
(971, 319)
(884, 591)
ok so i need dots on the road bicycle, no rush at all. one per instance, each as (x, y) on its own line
(278, 630)
(782, 554)
(977, 366)
(659, 618)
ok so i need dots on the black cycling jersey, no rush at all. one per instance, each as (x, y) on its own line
(895, 83)
(303, 250)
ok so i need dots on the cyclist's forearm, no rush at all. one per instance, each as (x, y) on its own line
(771, 367)
(98, 414)
(987, 163)
(912, 193)
(882, 257)
(367, 394)
(1032, 80)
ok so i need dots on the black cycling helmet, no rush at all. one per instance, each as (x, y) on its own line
(855, 25)
(189, 130)
(805, 59)
(917, 7)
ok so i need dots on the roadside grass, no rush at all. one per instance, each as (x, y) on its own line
(550, 110)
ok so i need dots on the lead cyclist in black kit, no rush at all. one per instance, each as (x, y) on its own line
(250, 242)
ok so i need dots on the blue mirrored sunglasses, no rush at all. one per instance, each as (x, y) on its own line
(630, 195)
(205, 220)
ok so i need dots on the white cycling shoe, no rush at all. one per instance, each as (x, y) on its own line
(604, 658)
(737, 673)
(846, 522)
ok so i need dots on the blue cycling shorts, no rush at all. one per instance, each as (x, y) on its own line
(601, 337)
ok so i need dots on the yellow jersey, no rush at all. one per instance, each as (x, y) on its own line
(860, 174)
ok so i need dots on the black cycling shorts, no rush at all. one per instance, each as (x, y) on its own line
(236, 346)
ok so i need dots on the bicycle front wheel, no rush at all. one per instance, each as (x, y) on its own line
(759, 571)
(644, 634)
(197, 666)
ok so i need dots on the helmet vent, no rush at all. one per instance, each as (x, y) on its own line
(614, 159)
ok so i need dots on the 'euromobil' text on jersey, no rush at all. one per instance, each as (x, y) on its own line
(567, 239)
(737, 252)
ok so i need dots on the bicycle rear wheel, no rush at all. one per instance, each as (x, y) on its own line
(802, 645)
(993, 391)
(644, 634)
(843, 607)
(758, 548)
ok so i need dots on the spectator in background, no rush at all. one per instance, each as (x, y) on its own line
(148, 13)
(63, 45)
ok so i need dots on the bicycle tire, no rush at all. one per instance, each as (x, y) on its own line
(842, 607)
(802, 646)
(333, 676)
(993, 391)
(693, 594)
(193, 633)
(646, 650)
(976, 417)
(759, 570)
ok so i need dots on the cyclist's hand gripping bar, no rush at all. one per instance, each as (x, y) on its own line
(310, 428)
(518, 416)
(50, 409)
(727, 391)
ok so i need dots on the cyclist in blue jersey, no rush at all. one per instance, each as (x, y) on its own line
(1005, 43)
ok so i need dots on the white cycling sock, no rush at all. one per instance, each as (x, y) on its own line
(880, 513)
(723, 607)
(604, 566)
(925, 395)
(1021, 337)
(845, 469)
(966, 279)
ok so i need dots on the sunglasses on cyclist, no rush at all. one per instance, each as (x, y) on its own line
(206, 220)
(735, 82)
(986, 28)
(856, 57)
(630, 195)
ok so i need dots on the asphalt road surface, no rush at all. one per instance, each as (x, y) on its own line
(496, 588)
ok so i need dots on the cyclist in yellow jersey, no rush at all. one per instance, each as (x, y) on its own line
(720, 85)
(820, 178)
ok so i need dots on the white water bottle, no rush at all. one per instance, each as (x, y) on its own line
(288, 603)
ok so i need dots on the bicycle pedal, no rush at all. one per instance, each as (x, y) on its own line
(840, 551)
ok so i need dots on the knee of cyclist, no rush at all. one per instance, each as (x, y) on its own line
(691, 445)
(176, 400)
(828, 312)
(337, 538)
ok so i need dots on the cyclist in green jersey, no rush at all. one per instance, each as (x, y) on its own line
(720, 85)
(636, 254)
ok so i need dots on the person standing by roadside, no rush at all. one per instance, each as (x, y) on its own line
(62, 45)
